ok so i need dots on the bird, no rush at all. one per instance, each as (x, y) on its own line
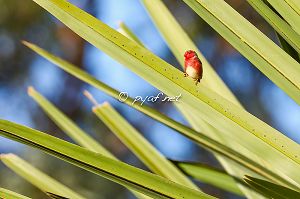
(193, 66)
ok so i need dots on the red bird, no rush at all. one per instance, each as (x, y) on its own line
(192, 66)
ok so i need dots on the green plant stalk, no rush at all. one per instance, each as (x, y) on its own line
(37, 177)
(7, 194)
(121, 173)
(145, 151)
(72, 130)
(123, 28)
(67, 125)
(288, 48)
(281, 26)
(217, 177)
(198, 137)
(294, 4)
(287, 12)
(271, 190)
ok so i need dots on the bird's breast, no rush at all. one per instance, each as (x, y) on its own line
(192, 72)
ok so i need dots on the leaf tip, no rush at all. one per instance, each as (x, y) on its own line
(247, 178)
(120, 23)
(104, 104)
(88, 95)
(26, 43)
(30, 90)
(99, 106)
(6, 155)
(55, 196)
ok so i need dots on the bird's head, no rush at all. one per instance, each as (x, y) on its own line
(189, 54)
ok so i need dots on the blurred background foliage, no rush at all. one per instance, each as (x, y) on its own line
(19, 68)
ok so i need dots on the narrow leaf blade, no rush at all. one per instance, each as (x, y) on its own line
(124, 29)
(214, 109)
(37, 177)
(178, 44)
(149, 155)
(126, 175)
(288, 13)
(271, 190)
(198, 137)
(72, 130)
(7, 194)
(209, 175)
(55, 196)
(67, 125)
(281, 26)
(254, 45)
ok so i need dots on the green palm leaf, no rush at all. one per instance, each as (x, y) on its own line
(288, 11)
(126, 175)
(7, 194)
(271, 190)
(217, 177)
(71, 129)
(254, 45)
(37, 177)
(202, 139)
(281, 26)
(149, 155)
